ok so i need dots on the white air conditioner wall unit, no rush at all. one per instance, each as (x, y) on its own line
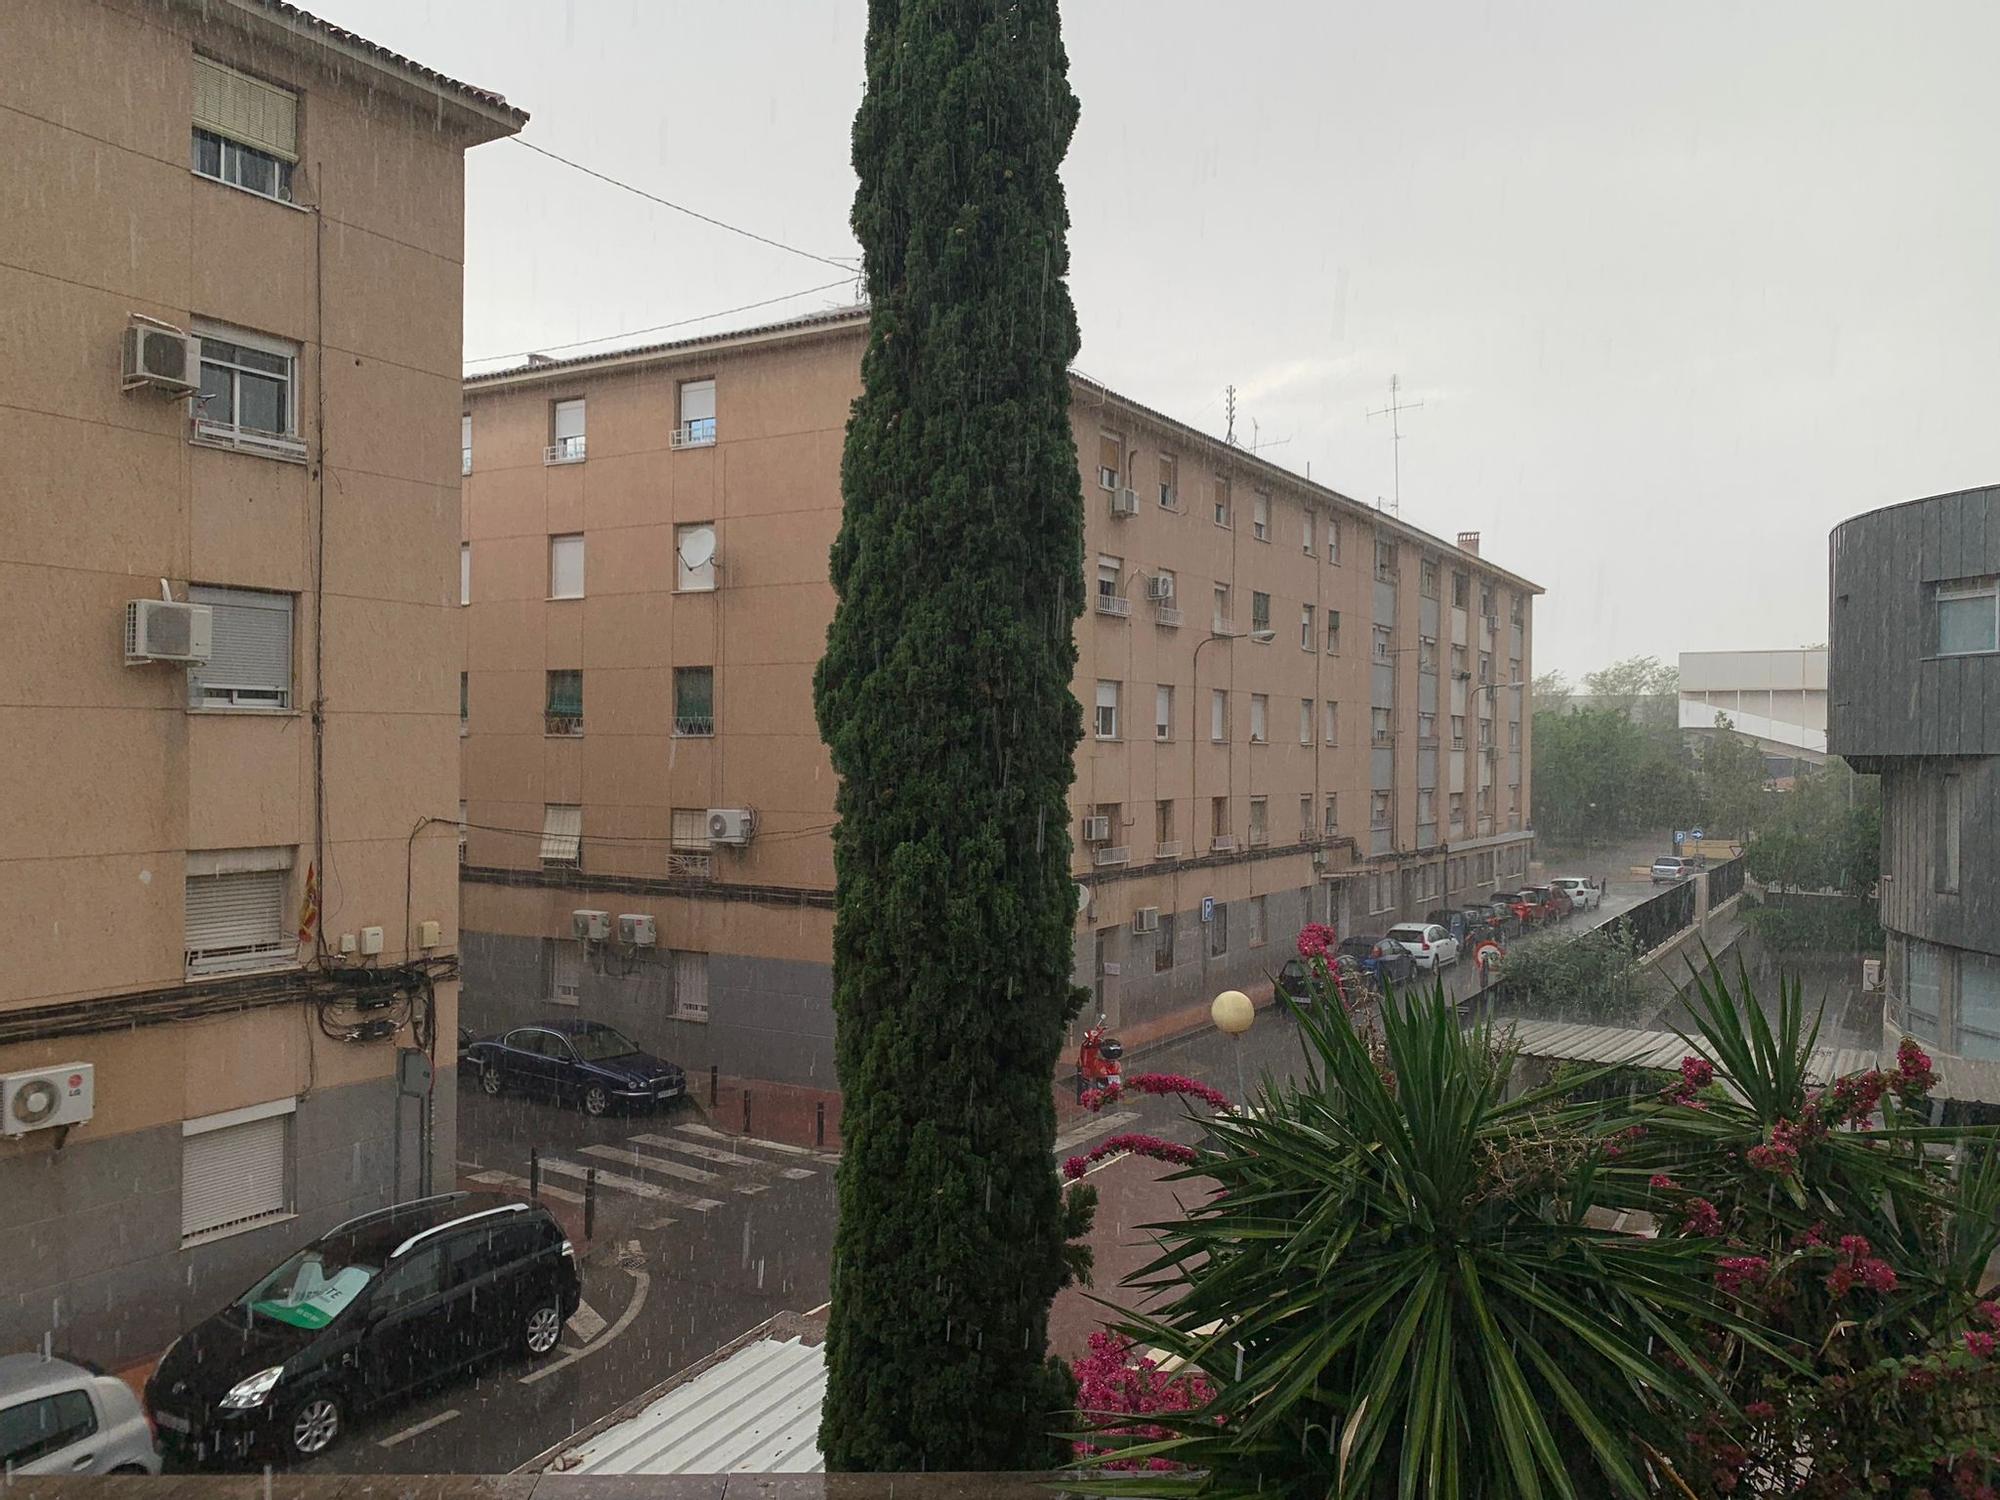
(1146, 919)
(1096, 830)
(163, 630)
(160, 357)
(1871, 975)
(731, 826)
(47, 1097)
(638, 929)
(588, 926)
(1160, 590)
(1124, 502)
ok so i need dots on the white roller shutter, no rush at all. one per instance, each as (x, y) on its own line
(690, 986)
(562, 833)
(697, 401)
(234, 1175)
(569, 419)
(246, 109)
(250, 663)
(237, 921)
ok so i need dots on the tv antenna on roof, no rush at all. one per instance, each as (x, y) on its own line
(1393, 411)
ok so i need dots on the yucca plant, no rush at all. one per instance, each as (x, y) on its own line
(1395, 1291)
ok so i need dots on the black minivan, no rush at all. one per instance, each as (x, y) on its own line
(364, 1314)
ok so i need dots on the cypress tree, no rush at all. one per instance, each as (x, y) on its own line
(945, 698)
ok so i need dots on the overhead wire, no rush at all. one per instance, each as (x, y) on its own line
(629, 333)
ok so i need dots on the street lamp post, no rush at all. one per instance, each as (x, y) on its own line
(1233, 1012)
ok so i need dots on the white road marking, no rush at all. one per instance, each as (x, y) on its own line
(722, 1158)
(520, 1185)
(637, 1189)
(586, 1322)
(647, 1163)
(783, 1148)
(641, 1283)
(1090, 1130)
(416, 1428)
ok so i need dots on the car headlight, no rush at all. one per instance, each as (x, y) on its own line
(254, 1391)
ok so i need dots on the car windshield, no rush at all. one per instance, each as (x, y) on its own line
(601, 1042)
(1407, 934)
(309, 1290)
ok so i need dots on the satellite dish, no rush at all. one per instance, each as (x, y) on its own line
(698, 547)
(1082, 900)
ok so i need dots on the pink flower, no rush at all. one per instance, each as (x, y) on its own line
(1661, 1182)
(1760, 1411)
(1700, 1218)
(1990, 1311)
(1853, 1246)
(1316, 940)
(1170, 1152)
(1839, 1281)
(1074, 1168)
(1175, 1083)
(1734, 1273)
(1978, 1345)
(1778, 1159)
(1697, 1072)
(1878, 1274)
(1914, 1074)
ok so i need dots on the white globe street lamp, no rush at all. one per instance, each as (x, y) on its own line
(1233, 1013)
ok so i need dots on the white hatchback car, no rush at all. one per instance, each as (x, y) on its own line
(1583, 893)
(1429, 944)
(60, 1418)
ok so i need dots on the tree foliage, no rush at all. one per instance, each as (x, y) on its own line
(1733, 795)
(1643, 688)
(1825, 834)
(1589, 976)
(945, 698)
(1600, 775)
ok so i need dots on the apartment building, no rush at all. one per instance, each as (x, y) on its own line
(1915, 698)
(1298, 708)
(232, 273)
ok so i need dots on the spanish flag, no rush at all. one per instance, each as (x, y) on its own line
(309, 906)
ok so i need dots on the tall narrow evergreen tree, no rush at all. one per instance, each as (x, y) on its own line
(945, 697)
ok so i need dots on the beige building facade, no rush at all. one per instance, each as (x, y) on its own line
(1297, 707)
(232, 280)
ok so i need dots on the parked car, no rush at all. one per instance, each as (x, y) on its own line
(1451, 920)
(1294, 982)
(62, 1418)
(596, 1065)
(1584, 893)
(363, 1315)
(1382, 956)
(1555, 900)
(1475, 922)
(1526, 906)
(1669, 868)
(1506, 917)
(1433, 947)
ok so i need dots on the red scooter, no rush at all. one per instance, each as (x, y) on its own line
(1097, 1059)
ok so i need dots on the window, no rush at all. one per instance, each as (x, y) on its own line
(1330, 818)
(1485, 732)
(694, 700)
(236, 913)
(1260, 516)
(689, 829)
(464, 702)
(1260, 821)
(1950, 810)
(697, 410)
(1163, 712)
(1113, 816)
(1923, 989)
(1170, 482)
(1457, 811)
(1330, 721)
(465, 447)
(1218, 817)
(246, 131)
(1260, 710)
(562, 835)
(1383, 638)
(35, 1429)
(1256, 906)
(1458, 672)
(1427, 727)
(1305, 721)
(1968, 616)
(465, 572)
(1485, 600)
(1110, 460)
(1163, 823)
(236, 1169)
(1260, 611)
(1109, 571)
(565, 976)
(1107, 710)
(1163, 945)
(1978, 1006)
(1513, 734)
(1306, 531)
(691, 987)
(1333, 632)
(1427, 578)
(566, 566)
(1222, 624)
(1458, 731)
(1378, 809)
(1485, 666)
(461, 830)
(1513, 669)
(250, 658)
(247, 397)
(694, 540)
(1308, 628)
(1426, 804)
(1305, 816)
(563, 714)
(1218, 715)
(1218, 931)
(1333, 539)
(1461, 590)
(417, 1279)
(1385, 561)
(1427, 653)
(565, 432)
(1380, 728)
(1223, 516)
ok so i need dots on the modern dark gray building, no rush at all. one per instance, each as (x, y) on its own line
(1914, 689)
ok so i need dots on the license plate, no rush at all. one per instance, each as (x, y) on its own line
(172, 1423)
(673, 1092)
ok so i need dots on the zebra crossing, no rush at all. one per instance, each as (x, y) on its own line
(694, 1169)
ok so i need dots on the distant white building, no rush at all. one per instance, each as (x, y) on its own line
(1777, 698)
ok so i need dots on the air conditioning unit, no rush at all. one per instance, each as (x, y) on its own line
(590, 926)
(1146, 919)
(1871, 975)
(159, 630)
(160, 356)
(47, 1097)
(1492, 622)
(732, 826)
(1124, 502)
(1096, 830)
(1160, 590)
(638, 929)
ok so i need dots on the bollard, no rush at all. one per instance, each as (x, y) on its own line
(746, 1111)
(534, 1175)
(819, 1123)
(590, 1204)
(714, 1084)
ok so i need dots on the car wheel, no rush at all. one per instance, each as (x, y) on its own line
(312, 1426)
(489, 1080)
(541, 1329)
(596, 1099)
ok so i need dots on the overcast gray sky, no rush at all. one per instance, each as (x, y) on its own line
(1679, 286)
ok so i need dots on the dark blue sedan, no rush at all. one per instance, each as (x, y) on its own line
(596, 1065)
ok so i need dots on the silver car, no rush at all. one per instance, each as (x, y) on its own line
(60, 1418)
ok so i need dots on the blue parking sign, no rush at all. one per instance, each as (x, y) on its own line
(1680, 837)
(1208, 908)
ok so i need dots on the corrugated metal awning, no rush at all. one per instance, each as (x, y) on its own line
(756, 1412)
(1654, 1049)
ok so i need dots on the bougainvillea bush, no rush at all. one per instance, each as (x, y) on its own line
(1114, 1383)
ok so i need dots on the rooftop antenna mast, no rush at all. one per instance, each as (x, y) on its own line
(1393, 411)
(1229, 410)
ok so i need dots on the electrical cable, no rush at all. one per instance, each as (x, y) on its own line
(632, 333)
(849, 264)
